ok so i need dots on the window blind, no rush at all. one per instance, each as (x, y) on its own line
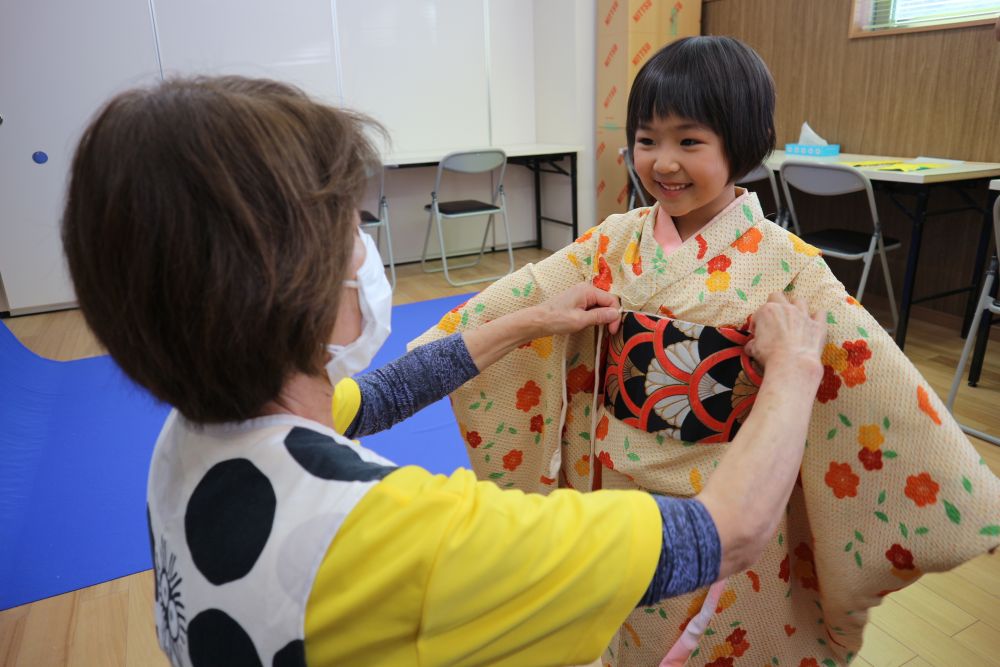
(888, 14)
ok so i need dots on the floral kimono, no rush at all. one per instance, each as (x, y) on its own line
(889, 489)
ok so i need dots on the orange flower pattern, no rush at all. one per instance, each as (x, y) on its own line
(528, 396)
(842, 480)
(842, 365)
(580, 378)
(924, 402)
(750, 241)
(870, 438)
(512, 459)
(922, 489)
(602, 428)
(603, 278)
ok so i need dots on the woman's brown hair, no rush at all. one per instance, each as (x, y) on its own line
(208, 228)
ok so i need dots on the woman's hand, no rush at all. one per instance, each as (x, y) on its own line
(783, 331)
(575, 309)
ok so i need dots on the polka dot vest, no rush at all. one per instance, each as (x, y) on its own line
(240, 516)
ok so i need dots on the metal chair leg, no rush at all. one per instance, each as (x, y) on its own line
(427, 238)
(384, 215)
(434, 218)
(985, 300)
(867, 261)
(983, 335)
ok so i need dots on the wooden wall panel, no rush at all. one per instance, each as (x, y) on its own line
(931, 93)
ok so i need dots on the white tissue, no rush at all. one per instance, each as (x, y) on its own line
(809, 137)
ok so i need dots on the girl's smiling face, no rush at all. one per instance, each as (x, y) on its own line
(683, 165)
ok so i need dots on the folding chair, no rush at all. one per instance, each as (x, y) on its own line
(831, 180)
(468, 162)
(989, 306)
(636, 191)
(760, 173)
(379, 222)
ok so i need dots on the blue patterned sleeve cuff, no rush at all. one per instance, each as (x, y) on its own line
(691, 553)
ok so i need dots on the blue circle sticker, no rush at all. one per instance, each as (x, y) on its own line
(40, 157)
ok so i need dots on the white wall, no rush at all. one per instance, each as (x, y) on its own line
(291, 41)
(564, 106)
(419, 67)
(440, 74)
(59, 61)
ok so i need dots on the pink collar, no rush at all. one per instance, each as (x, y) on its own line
(665, 232)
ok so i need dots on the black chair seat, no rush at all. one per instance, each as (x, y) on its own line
(367, 217)
(460, 206)
(846, 241)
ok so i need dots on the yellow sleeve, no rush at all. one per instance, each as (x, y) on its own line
(434, 570)
(346, 403)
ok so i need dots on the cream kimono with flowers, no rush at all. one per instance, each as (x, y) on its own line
(890, 488)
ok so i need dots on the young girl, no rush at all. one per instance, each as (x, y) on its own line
(883, 494)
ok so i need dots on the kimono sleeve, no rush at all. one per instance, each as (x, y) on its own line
(893, 488)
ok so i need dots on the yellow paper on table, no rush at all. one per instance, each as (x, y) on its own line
(869, 163)
(910, 166)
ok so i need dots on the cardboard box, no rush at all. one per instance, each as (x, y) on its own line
(629, 32)
(612, 175)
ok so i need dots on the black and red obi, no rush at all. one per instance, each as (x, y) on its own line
(691, 382)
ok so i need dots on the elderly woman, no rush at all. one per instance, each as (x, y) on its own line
(211, 233)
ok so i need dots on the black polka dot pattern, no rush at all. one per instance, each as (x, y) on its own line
(228, 520)
(325, 458)
(214, 639)
(292, 655)
(152, 550)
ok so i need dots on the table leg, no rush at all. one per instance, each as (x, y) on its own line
(536, 167)
(909, 277)
(572, 178)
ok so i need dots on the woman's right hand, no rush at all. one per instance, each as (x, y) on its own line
(783, 331)
(577, 308)
(574, 309)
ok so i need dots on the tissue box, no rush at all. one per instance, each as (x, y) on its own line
(812, 151)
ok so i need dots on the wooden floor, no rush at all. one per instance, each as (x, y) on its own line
(947, 620)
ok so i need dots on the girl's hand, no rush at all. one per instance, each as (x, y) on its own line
(575, 309)
(783, 331)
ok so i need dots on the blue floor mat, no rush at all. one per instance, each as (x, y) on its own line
(75, 442)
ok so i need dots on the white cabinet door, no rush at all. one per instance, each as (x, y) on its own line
(59, 61)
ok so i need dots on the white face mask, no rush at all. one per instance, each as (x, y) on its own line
(375, 297)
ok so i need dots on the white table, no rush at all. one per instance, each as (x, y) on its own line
(539, 158)
(959, 177)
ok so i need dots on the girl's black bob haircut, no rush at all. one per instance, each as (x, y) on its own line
(719, 82)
